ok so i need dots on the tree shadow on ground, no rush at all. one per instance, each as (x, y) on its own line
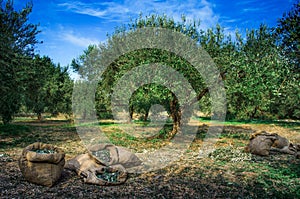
(21, 134)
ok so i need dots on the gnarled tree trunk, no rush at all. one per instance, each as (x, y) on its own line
(175, 114)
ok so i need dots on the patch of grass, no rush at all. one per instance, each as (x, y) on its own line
(141, 122)
(235, 135)
(269, 177)
(24, 119)
(201, 134)
(124, 136)
(12, 135)
(164, 133)
(107, 123)
(229, 154)
(282, 182)
(121, 139)
(13, 130)
(283, 123)
(155, 140)
(21, 134)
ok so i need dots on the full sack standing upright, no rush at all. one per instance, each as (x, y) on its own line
(42, 163)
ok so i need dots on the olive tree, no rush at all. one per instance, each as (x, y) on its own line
(17, 41)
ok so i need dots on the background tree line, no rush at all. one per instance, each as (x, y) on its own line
(27, 80)
(260, 70)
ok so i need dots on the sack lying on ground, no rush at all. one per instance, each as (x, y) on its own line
(104, 165)
(42, 163)
(108, 154)
(261, 143)
(94, 173)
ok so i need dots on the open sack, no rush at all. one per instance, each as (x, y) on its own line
(42, 163)
(105, 164)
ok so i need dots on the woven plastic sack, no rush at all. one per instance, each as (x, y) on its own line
(42, 163)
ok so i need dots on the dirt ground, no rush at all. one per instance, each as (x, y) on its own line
(217, 176)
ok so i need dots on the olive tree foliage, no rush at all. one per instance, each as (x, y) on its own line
(35, 93)
(288, 35)
(85, 66)
(159, 95)
(287, 32)
(59, 91)
(48, 87)
(17, 41)
(146, 96)
(252, 68)
(256, 83)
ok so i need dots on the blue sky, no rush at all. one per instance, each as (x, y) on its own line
(69, 26)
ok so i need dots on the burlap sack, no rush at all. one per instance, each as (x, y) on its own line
(280, 142)
(94, 173)
(108, 154)
(43, 169)
(260, 144)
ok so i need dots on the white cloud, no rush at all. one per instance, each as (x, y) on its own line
(192, 9)
(122, 11)
(100, 10)
(252, 9)
(83, 8)
(78, 40)
(247, 2)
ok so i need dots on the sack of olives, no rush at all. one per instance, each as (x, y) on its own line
(108, 154)
(42, 163)
(113, 175)
(94, 173)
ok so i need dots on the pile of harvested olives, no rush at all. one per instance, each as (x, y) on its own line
(44, 151)
(102, 155)
(108, 176)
